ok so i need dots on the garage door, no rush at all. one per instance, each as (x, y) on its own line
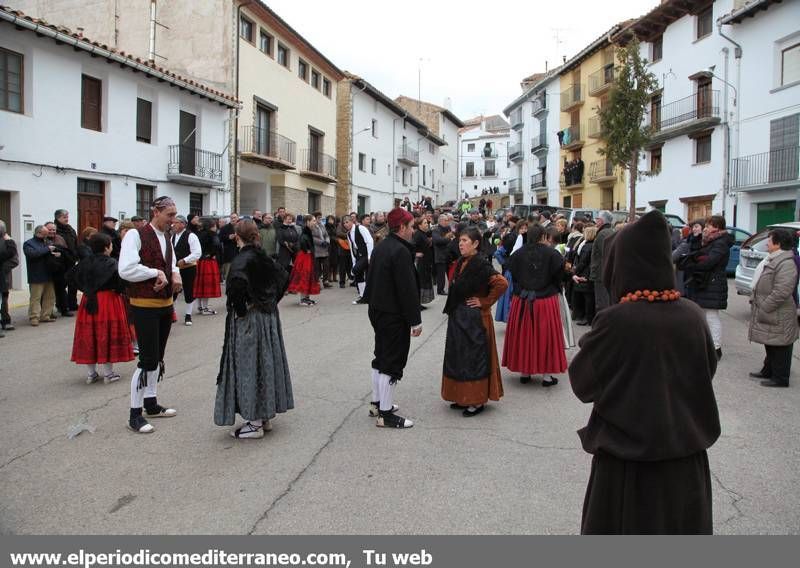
(774, 212)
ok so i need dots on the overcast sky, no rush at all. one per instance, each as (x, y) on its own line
(473, 52)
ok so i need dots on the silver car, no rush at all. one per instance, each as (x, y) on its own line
(754, 250)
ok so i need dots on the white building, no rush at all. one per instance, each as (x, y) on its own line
(98, 132)
(765, 153)
(533, 146)
(484, 157)
(384, 153)
(691, 112)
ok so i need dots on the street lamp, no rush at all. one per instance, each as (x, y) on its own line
(710, 71)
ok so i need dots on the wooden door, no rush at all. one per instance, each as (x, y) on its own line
(188, 138)
(698, 210)
(90, 211)
(315, 152)
(703, 97)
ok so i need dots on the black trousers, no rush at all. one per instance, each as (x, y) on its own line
(778, 363)
(152, 331)
(322, 268)
(345, 266)
(583, 303)
(60, 286)
(392, 342)
(5, 317)
(441, 277)
(187, 277)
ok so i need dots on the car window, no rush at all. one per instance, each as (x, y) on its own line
(738, 235)
(757, 242)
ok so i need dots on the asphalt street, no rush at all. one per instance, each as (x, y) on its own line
(518, 468)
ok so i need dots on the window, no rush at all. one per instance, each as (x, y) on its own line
(265, 42)
(144, 117)
(10, 81)
(489, 168)
(470, 169)
(196, 204)
(424, 175)
(302, 69)
(444, 166)
(655, 112)
(283, 55)
(433, 183)
(790, 65)
(658, 49)
(784, 152)
(246, 29)
(702, 149)
(374, 166)
(315, 79)
(314, 201)
(95, 187)
(374, 128)
(705, 21)
(326, 88)
(91, 102)
(470, 147)
(404, 175)
(567, 201)
(362, 162)
(145, 194)
(655, 160)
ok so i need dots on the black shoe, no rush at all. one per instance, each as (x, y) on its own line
(774, 384)
(456, 406)
(525, 379)
(8, 327)
(374, 409)
(759, 375)
(390, 420)
(551, 382)
(140, 425)
(582, 323)
(187, 320)
(469, 413)
(423, 308)
(341, 285)
(327, 285)
(719, 353)
(67, 314)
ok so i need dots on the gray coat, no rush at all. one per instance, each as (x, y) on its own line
(596, 266)
(322, 241)
(773, 313)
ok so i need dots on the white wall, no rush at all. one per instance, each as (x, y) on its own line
(49, 133)
(479, 137)
(684, 56)
(448, 183)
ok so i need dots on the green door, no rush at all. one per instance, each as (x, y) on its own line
(775, 212)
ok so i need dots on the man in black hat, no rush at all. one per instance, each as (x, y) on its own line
(110, 228)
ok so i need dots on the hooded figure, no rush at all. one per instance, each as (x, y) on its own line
(646, 367)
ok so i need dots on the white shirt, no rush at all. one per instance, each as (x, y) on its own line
(130, 263)
(367, 239)
(195, 252)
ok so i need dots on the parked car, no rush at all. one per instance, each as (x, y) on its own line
(739, 237)
(753, 251)
(675, 221)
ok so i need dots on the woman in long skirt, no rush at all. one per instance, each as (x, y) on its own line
(304, 279)
(509, 245)
(101, 328)
(534, 343)
(253, 378)
(471, 375)
(424, 259)
(207, 280)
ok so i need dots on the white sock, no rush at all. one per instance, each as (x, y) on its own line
(190, 307)
(91, 369)
(107, 369)
(137, 394)
(386, 392)
(152, 384)
(361, 286)
(256, 423)
(203, 303)
(376, 395)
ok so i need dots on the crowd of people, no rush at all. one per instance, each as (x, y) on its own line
(626, 281)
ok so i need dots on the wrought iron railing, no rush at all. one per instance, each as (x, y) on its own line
(490, 173)
(489, 153)
(702, 104)
(514, 185)
(539, 142)
(514, 151)
(516, 118)
(318, 163)
(191, 161)
(601, 169)
(264, 142)
(407, 153)
(776, 166)
(572, 96)
(594, 130)
(539, 104)
(601, 79)
(538, 181)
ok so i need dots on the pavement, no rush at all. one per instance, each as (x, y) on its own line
(518, 468)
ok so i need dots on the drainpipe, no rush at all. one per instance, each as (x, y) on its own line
(737, 54)
(152, 52)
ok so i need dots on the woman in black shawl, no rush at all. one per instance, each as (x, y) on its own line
(423, 253)
(102, 334)
(471, 374)
(646, 367)
(253, 378)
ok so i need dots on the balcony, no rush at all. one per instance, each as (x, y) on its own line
(776, 169)
(517, 121)
(685, 116)
(539, 143)
(267, 148)
(538, 181)
(489, 153)
(192, 166)
(602, 172)
(318, 165)
(514, 185)
(489, 174)
(594, 130)
(572, 137)
(601, 80)
(515, 152)
(408, 155)
(540, 104)
(469, 174)
(572, 97)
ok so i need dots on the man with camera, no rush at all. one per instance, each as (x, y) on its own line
(38, 254)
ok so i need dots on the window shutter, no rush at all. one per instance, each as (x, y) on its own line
(90, 103)
(144, 113)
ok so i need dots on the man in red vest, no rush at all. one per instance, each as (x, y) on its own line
(147, 262)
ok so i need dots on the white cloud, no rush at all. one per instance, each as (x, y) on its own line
(474, 52)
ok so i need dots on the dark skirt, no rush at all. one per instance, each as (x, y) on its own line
(103, 337)
(303, 279)
(662, 497)
(254, 376)
(425, 273)
(206, 283)
(504, 302)
(534, 343)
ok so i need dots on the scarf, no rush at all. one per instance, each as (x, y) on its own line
(712, 234)
(470, 278)
(91, 274)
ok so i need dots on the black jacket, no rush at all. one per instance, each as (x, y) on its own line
(209, 244)
(537, 267)
(70, 237)
(93, 274)
(229, 248)
(440, 244)
(255, 280)
(116, 242)
(306, 241)
(287, 244)
(583, 260)
(9, 259)
(705, 274)
(392, 282)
